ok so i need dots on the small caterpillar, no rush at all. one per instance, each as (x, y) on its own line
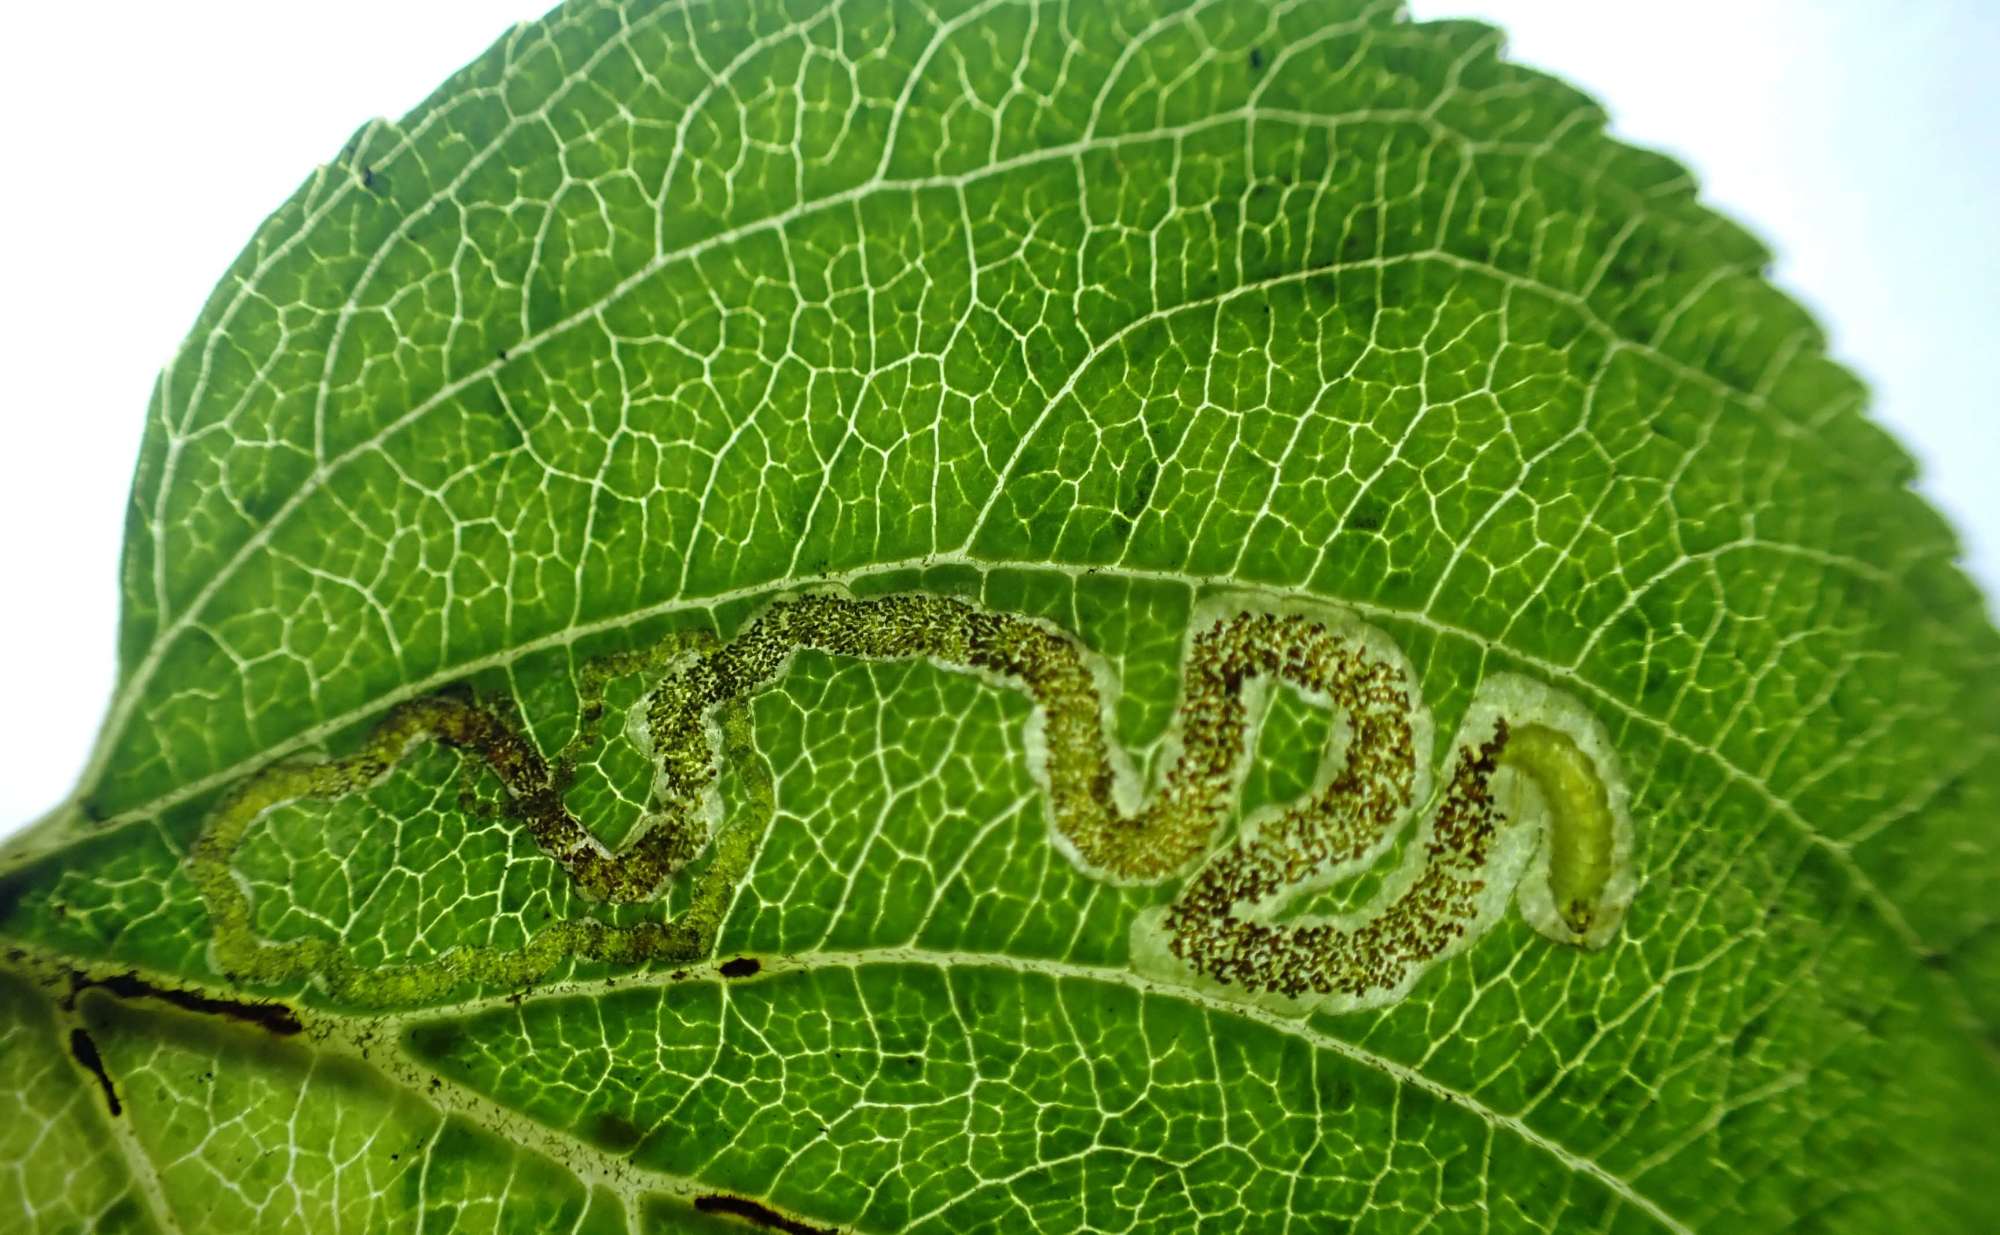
(1581, 831)
(1529, 763)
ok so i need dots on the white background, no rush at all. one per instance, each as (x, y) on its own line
(141, 143)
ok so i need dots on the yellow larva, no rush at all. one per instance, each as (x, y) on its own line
(1580, 828)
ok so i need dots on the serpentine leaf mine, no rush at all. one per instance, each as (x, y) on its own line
(1471, 855)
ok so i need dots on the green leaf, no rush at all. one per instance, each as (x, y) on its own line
(1014, 617)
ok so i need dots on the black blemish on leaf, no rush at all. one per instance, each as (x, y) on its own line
(1337, 1095)
(756, 1213)
(740, 967)
(1256, 60)
(435, 1040)
(1142, 490)
(261, 502)
(272, 1017)
(612, 1131)
(1750, 1036)
(84, 1050)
